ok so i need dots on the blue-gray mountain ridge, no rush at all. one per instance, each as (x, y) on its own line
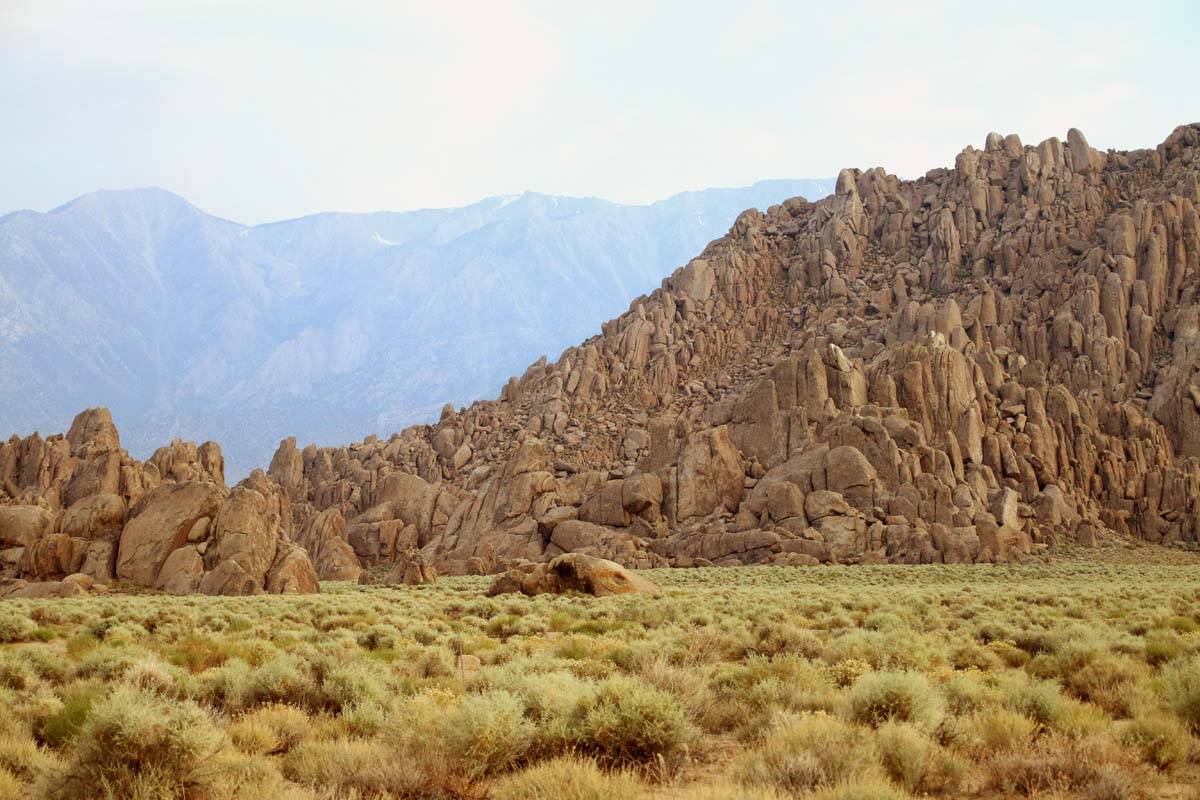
(328, 327)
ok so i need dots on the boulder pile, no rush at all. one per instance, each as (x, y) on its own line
(81, 512)
(967, 367)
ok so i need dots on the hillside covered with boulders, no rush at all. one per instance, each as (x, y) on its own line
(967, 367)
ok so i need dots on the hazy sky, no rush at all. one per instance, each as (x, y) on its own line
(265, 110)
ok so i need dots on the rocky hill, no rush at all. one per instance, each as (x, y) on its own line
(966, 367)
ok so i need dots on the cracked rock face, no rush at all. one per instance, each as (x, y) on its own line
(965, 367)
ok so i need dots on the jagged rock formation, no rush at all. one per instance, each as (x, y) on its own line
(410, 569)
(80, 511)
(965, 367)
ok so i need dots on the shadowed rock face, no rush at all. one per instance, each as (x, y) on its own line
(961, 368)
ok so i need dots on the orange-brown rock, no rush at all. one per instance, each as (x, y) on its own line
(80, 506)
(573, 572)
(410, 569)
(324, 537)
(969, 366)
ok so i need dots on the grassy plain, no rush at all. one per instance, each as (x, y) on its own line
(1077, 679)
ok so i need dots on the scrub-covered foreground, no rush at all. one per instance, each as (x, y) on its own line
(1066, 680)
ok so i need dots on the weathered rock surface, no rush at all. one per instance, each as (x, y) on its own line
(411, 569)
(80, 511)
(324, 537)
(965, 367)
(573, 572)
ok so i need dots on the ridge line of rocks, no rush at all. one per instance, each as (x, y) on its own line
(969, 366)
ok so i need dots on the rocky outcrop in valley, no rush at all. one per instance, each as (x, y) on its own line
(967, 367)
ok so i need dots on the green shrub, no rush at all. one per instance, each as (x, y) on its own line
(58, 729)
(1160, 646)
(349, 684)
(1078, 720)
(155, 676)
(967, 691)
(631, 722)
(863, 790)
(808, 751)
(725, 791)
(904, 753)
(136, 741)
(1181, 688)
(783, 638)
(1160, 740)
(1055, 764)
(1109, 681)
(11, 787)
(270, 729)
(487, 733)
(245, 777)
(569, 778)
(999, 730)
(554, 702)
(1010, 654)
(878, 697)
(847, 671)
(21, 757)
(347, 766)
(15, 672)
(975, 656)
(15, 627)
(1041, 701)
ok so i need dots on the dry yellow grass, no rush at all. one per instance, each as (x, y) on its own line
(1079, 679)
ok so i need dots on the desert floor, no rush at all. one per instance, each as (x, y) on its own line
(1074, 679)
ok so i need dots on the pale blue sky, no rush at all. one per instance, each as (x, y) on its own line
(295, 107)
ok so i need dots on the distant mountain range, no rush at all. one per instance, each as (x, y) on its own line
(328, 327)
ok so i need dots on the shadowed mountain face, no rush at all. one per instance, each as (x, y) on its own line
(326, 327)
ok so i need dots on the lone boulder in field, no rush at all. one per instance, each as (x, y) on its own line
(573, 572)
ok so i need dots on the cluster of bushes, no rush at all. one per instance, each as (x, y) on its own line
(845, 684)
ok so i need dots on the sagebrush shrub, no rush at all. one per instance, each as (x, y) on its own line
(630, 722)
(134, 739)
(1181, 688)
(1160, 740)
(807, 751)
(487, 733)
(904, 753)
(21, 757)
(11, 787)
(361, 680)
(863, 790)
(569, 778)
(16, 627)
(878, 697)
(999, 730)
(60, 727)
(366, 767)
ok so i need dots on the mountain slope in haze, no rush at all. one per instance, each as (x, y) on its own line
(324, 326)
